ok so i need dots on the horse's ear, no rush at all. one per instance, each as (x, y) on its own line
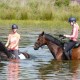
(42, 33)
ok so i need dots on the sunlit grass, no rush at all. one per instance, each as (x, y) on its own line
(47, 23)
(36, 10)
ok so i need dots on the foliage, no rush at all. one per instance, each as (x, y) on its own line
(60, 3)
(38, 10)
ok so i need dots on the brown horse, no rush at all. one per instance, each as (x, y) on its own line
(5, 55)
(56, 47)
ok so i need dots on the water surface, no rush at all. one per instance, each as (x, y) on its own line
(41, 65)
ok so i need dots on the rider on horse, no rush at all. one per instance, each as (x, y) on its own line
(13, 41)
(73, 37)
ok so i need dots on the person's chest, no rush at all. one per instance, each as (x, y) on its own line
(13, 38)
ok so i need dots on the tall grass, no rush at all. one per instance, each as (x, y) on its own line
(36, 10)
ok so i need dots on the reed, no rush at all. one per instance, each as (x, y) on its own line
(36, 10)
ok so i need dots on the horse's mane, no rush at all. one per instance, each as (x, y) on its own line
(4, 49)
(53, 39)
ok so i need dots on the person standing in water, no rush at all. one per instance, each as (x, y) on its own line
(13, 41)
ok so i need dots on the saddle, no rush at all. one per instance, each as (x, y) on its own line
(77, 45)
(68, 54)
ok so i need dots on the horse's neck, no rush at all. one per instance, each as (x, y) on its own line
(53, 49)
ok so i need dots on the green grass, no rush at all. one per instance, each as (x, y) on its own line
(38, 25)
(25, 23)
(36, 10)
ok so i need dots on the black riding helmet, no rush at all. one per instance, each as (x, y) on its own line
(72, 19)
(14, 26)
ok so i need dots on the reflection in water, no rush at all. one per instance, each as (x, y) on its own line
(57, 70)
(75, 69)
(51, 71)
(13, 70)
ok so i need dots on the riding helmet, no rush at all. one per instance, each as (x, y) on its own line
(14, 26)
(72, 19)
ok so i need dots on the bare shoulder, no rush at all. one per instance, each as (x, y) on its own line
(76, 25)
(18, 35)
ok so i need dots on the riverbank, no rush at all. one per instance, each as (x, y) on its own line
(37, 25)
(34, 23)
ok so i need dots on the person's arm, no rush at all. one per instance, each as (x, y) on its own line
(7, 43)
(72, 35)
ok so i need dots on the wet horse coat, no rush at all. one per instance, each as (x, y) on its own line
(55, 46)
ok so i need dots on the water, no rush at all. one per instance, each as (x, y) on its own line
(40, 65)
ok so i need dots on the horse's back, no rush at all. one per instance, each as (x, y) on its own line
(76, 53)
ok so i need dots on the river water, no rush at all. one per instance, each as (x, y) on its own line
(41, 64)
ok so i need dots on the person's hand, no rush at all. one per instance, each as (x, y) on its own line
(10, 47)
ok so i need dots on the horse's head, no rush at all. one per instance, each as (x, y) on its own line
(53, 44)
(40, 41)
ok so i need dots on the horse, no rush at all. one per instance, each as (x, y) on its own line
(56, 47)
(6, 55)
